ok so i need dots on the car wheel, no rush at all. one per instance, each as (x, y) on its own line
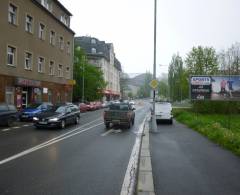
(63, 124)
(107, 125)
(77, 120)
(129, 124)
(133, 121)
(171, 122)
(10, 122)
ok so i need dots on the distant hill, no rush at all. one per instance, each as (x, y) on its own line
(137, 80)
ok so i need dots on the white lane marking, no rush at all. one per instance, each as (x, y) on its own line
(44, 145)
(78, 128)
(129, 182)
(118, 131)
(106, 133)
(6, 129)
(16, 127)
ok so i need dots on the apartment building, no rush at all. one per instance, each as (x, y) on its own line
(101, 55)
(36, 52)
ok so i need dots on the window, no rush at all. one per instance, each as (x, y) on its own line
(61, 43)
(93, 41)
(52, 37)
(41, 31)
(51, 68)
(47, 4)
(40, 64)
(29, 24)
(68, 72)
(11, 57)
(12, 14)
(65, 19)
(9, 95)
(28, 61)
(94, 50)
(60, 70)
(68, 47)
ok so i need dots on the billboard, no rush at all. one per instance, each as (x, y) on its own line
(215, 87)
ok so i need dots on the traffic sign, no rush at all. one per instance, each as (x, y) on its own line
(153, 83)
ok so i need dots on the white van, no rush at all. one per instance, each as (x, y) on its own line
(163, 112)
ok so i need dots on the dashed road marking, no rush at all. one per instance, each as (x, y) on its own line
(6, 129)
(15, 127)
(106, 133)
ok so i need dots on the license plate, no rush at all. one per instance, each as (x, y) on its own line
(42, 122)
(24, 116)
(116, 121)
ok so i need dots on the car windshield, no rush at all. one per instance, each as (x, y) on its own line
(38, 106)
(3, 107)
(60, 109)
(119, 107)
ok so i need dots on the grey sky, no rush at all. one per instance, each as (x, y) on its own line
(182, 24)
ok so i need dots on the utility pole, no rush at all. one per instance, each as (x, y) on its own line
(154, 123)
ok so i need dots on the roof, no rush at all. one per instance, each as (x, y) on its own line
(102, 49)
(53, 16)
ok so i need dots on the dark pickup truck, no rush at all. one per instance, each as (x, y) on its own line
(119, 114)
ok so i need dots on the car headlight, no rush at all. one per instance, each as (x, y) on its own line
(35, 118)
(53, 119)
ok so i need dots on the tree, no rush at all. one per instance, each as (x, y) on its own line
(202, 61)
(176, 79)
(145, 90)
(93, 81)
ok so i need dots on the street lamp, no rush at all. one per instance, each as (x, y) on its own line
(154, 123)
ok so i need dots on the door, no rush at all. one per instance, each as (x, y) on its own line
(24, 99)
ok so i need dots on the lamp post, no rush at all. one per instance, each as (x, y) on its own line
(83, 81)
(154, 123)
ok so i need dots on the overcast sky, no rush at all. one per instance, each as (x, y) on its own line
(181, 24)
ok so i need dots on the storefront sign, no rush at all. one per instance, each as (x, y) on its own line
(45, 90)
(71, 82)
(27, 82)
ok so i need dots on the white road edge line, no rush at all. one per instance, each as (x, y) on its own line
(129, 182)
(44, 145)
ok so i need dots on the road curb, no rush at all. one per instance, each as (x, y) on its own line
(145, 184)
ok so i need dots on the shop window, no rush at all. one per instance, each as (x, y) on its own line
(49, 96)
(29, 24)
(9, 95)
(58, 98)
(12, 14)
(11, 57)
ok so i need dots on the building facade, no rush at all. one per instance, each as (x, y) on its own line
(36, 52)
(101, 55)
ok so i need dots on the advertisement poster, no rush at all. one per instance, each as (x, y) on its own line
(225, 88)
(215, 87)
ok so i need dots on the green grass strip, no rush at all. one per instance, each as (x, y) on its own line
(223, 129)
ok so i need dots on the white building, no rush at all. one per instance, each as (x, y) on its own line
(102, 55)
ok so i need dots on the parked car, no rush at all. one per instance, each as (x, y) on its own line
(98, 105)
(163, 112)
(91, 106)
(33, 110)
(119, 114)
(8, 114)
(83, 107)
(60, 117)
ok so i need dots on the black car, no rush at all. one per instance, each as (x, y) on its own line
(8, 114)
(60, 117)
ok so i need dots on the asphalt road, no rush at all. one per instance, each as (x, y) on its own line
(84, 159)
(185, 162)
